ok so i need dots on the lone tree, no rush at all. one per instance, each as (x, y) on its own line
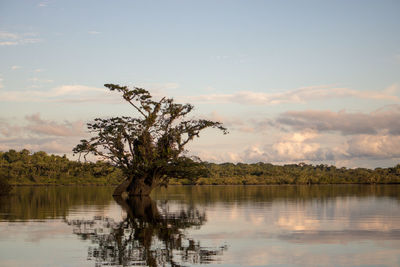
(149, 148)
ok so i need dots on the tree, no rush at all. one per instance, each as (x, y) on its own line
(150, 148)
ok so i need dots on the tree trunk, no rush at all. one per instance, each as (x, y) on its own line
(122, 188)
(135, 187)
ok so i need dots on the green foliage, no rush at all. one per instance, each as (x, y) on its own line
(40, 168)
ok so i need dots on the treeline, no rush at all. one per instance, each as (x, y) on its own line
(266, 173)
(25, 168)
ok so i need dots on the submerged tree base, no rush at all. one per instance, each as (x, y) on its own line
(129, 188)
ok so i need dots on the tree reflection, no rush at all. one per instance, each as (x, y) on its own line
(147, 236)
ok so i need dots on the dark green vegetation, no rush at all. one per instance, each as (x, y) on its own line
(24, 168)
(148, 148)
(265, 173)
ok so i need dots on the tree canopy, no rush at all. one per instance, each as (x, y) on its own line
(149, 147)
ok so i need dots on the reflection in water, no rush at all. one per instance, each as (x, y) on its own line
(48, 202)
(248, 194)
(147, 236)
(340, 225)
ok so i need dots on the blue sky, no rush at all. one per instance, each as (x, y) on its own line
(295, 81)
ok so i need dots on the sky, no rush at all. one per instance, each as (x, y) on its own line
(293, 81)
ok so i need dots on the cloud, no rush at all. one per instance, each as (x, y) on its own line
(37, 80)
(93, 32)
(50, 145)
(285, 148)
(73, 93)
(232, 123)
(1, 83)
(374, 146)
(342, 138)
(11, 39)
(301, 95)
(248, 125)
(297, 146)
(385, 119)
(292, 147)
(15, 67)
(8, 35)
(43, 4)
(65, 93)
(310, 146)
(45, 127)
(38, 134)
(304, 147)
(35, 126)
(7, 130)
(8, 43)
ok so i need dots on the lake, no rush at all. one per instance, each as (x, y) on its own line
(329, 225)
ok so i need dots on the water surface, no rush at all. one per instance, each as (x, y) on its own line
(339, 225)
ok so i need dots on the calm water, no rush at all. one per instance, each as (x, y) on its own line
(191, 226)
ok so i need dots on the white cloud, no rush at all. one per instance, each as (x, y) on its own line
(65, 93)
(296, 146)
(301, 95)
(43, 4)
(8, 35)
(11, 39)
(72, 93)
(374, 146)
(8, 43)
(94, 32)
(15, 67)
(292, 147)
(37, 80)
(310, 147)
(285, 148)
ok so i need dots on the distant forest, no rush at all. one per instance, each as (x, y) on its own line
(39, 168)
